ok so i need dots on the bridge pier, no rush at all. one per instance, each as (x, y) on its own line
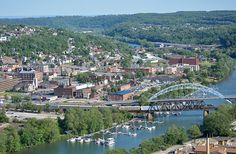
(150, 116)
(205, 112)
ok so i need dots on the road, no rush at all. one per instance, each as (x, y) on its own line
(26, 115)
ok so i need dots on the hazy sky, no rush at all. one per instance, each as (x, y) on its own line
(98, 7)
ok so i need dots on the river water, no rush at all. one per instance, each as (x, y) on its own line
(186, 119)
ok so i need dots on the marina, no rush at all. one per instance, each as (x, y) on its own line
(128, 129)
(185, 119)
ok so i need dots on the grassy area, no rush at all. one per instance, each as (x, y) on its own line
(206, 64)
(11, 93)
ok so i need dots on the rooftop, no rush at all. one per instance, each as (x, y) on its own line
(123, 92)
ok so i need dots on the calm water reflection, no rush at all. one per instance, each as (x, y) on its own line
(227, 87)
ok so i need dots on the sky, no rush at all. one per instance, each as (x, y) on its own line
(32, 8)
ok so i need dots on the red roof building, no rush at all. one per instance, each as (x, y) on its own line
(182, 61)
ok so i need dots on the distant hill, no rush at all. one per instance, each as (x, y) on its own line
(108, 21)
(192, 27)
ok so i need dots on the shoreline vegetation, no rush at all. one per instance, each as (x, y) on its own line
(217, 123)
(76, 122)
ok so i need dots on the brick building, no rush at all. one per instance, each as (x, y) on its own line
(192, 62)
(121, 95)
(30, 75)
(84, 93)
(126, 86)
(65, 91)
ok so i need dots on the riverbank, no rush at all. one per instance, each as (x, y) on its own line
(34, 132)
(185, 120)
(220, 123)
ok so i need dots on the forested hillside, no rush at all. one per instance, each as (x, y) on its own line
(108, 21)
(214, 27)
(55, 41)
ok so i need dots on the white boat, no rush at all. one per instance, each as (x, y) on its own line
(110, 141)
(153, 127)
(71, 140)
(100, 141)
(132, 134)
(107, 132)
(87, 140)
(79, 139)
(148, 128)
(125, 126)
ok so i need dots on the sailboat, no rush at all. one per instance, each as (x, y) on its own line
(149, 128)
(110, 141)
(99, 140)
(133, 134)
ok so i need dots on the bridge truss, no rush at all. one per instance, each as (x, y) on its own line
(193, 86)
(193, 101)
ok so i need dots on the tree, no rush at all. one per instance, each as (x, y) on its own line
(84, 77)
(3, 117)
(143, 100)
(16, 99)
(217, 124)
(39, 131)
(12, 139)
(117, 151)
(147, 146)
(95, 120)
(140, 62)
(6, 97)
(194, 132)
(3, 139)
(140, 74)
(107, 117)
(134, 151)
(50, 130)
(76, 121)
(27, 98)
(47, 107)
(126, 62)
(175, 135)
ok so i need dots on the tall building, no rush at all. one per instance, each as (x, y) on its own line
(191, 62)
(29, 75)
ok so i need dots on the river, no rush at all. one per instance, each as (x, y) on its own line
(186, 119)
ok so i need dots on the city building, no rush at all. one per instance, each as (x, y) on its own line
(170, 70)
(122, 87)
(84, 93)
(121, 95)
(30, 75)
(113, 69)
(183, 62)
(146, 70)
(219, 145)
(65, 91)
(43, 68)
